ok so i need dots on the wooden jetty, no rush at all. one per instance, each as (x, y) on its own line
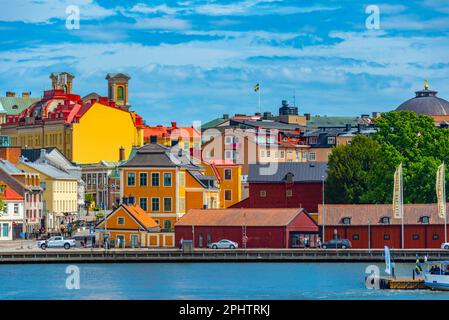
(402, 283)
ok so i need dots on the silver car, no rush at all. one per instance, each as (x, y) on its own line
(56, 242)
(224, 244)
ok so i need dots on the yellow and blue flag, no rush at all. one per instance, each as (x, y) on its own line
(418, 267)
(256, 87)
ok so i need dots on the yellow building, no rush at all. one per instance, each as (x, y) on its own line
(165, 184)
(229, 177)
(85, 132)
(60, 193)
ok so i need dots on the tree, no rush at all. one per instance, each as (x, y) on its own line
(349, 169)
(88, 199)
(402, 137)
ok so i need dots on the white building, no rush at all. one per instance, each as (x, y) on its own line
(12, 216)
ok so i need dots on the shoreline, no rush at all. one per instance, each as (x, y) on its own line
(209, 255)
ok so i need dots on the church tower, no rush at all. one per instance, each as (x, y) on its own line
(62, 81)
(118, 88)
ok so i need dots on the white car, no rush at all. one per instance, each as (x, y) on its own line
(56, 242)
(445, 245)
(224, 244)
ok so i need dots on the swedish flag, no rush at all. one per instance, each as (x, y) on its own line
(256, 88)
(418, 267)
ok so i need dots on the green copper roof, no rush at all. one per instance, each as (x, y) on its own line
(213, 123)
(15, 105)
(331, 121)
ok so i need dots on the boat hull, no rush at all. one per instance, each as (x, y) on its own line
(437, 282)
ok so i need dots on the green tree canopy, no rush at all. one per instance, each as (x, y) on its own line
(369, 163)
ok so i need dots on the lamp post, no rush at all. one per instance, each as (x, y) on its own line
(322, 215)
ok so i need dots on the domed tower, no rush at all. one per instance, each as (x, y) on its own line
(62, 81)
(426, 102)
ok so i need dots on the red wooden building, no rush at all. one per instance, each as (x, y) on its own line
(373, 225)
(288, 185)
(259, 228)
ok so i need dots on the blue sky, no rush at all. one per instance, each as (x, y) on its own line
(195, 60)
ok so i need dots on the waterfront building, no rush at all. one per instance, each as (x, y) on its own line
(129, 226)
(60, 193)
(250, 228)
(374, 226)
(426, 102)
(85, 132)
(285, 185)
(102, 181)
(26, 184)
(53, 157)
(12, 105)
(165, 182)
(12, 217)
(228, 175)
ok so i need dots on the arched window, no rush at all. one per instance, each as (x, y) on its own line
(346, 220)
(385, 220)
(120, 93)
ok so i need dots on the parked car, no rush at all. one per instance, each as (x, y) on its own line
(56, 242)
(445, 245)
(224, 244)
(337, 244)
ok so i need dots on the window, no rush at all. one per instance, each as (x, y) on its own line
(262, 153)
(167, 224)
(355, 237)
(263, 193)
(182, 204)
(167, 179)
(330, 140)
(228, 174)
(346, 220)
(436, 236)
(312, 156)
(143, 179)
(282, 155)
(155, 179)
(415, 237)
(182, 179)
(386, 236)
(167, 205)
(120, 93)
(228, 140)
(385, 220)
(289, 193)
(16, 209)
(154, 204)
(143, 203)
(121, 221)
(130, 200)
(228, 195)
(131, 179)
(228, 155)
(268, 154)
(200, 240)
(425, 219)
(5, 230)
(208, 239)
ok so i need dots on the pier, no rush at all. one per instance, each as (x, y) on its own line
(210, 255)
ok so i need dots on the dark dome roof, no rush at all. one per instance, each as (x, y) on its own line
(426, 102)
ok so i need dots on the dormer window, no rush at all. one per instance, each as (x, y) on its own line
(385, 220)
(346, 220)
(15, 106)
(424, 219)
(289, 177)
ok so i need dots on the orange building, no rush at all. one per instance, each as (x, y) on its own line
(131, 227)
(229, 177)
(165, 183)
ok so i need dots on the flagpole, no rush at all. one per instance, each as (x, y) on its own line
(258, 91)
(402, 209)
(444, 203)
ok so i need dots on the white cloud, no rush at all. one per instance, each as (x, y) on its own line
(163, 23)
(32, 11)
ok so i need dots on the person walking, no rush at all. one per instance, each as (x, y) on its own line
(181, 242)
(93, 242)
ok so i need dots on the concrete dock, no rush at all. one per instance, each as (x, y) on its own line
(209, 255)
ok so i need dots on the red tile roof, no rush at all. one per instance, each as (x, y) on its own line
(141, 216)
(361, 213)
(239, 217)
(11, 195)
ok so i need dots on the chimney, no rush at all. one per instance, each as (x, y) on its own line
(348, 127)
(307, 115)
(12, 154)
(43, 153)
(26, 94)
(173, 124)
(121, 155)
(226, 116)
(10, 94)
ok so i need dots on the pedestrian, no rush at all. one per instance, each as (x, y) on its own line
(85, 242)
(181, 242)
(93, 242)
(118, 242)
(318, 242)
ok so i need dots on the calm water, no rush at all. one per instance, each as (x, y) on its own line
(201, 281)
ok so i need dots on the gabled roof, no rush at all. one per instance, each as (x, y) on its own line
(49, 170)
(240, 217)
(118, 75)
(11, 195)
(302, 172)
(9, 167)
(138, 214)
(157, 155)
